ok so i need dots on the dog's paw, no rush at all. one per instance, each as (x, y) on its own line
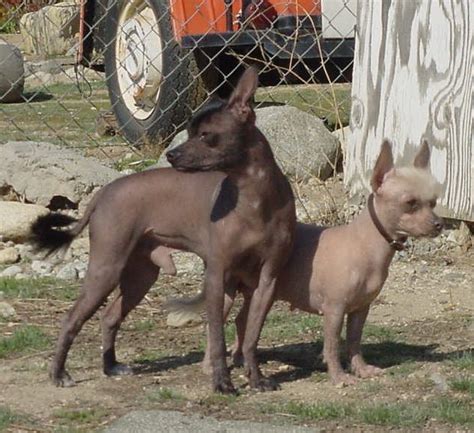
(367, 370)
(62, 380)
(222, 384)
(237, 359)
(343, 379)
(118, 370)
(224, 388)
(264, 384)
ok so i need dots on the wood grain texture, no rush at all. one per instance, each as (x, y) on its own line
(414, 79)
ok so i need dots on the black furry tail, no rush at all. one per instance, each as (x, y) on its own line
(48, 233)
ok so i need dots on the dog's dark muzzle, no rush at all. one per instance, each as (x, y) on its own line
(438, 225)
(179, 160)
(173, 156)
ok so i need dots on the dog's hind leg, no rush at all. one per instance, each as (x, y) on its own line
(98, 284)
(260, 303)
(240, 325)
(136, 280)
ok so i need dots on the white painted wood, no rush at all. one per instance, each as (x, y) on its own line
(338, 18)
(414, 79)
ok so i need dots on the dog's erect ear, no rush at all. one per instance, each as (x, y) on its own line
(383, 166)
(422, 158)
(244, 91)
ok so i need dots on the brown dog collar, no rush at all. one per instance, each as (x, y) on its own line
(397, 245)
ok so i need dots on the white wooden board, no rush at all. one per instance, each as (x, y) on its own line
(414, 79)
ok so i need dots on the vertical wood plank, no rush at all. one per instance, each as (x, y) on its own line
(414, 79)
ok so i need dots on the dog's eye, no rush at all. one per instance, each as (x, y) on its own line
(412, 205)
(210, 139)
(203, 135)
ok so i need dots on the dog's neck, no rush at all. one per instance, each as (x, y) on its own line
(377, 234)
(397, 243)
(261, 184)
(259, 169)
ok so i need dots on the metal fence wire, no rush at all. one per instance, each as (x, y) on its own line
(96, 73)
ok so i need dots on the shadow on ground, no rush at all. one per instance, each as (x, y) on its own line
(306, 358)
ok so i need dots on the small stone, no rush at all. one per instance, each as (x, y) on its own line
(6, 310)
(41, 267)
(439, 382)
(81, 268)
(461, 237)
(284, 367)
(11, 271)
(188, 263)
(9, 256)
(451, 237)
(67, 272)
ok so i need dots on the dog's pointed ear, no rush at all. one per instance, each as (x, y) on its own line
(383, 166)
(243, 93)
(422, 158)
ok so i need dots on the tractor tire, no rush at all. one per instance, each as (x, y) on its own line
(153, 84)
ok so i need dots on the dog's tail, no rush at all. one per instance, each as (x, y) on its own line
(184, 310)
(48, 231)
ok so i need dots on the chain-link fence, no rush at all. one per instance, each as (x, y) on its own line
(97, 73)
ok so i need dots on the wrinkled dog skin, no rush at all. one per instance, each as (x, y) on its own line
(225, 199)
(339, 271)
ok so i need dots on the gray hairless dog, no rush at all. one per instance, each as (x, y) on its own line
(240, 220)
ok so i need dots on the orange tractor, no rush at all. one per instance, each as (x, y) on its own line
(163, 57)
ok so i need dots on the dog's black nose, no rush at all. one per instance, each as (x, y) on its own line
(171, 155)
(438, 223)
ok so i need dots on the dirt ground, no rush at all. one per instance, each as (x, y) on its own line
(420, 329)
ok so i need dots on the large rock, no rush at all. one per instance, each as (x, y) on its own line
(52, 30)
(47, 174)
(11, 73)
(302, 144)
(16, 219)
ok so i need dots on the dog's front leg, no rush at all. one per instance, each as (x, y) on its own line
(355, 324)
(333, 320)
(206, 364)
(260, 304)
(214, 288)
